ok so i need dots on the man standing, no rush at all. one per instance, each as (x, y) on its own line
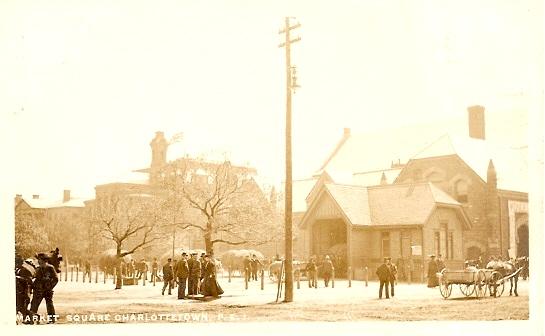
(46, 280)
(393, 275)
(311, 273)
(182, 272)
(23, 287)
(167, 277)
(154, 267)
(383, 273)
(194, 275)
(432, 272)
(327, 269)
(254, 262)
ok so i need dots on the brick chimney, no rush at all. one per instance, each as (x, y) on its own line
(35, 196)
(476, 122)
(66, 196)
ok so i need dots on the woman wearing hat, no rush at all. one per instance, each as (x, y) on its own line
(210, 286)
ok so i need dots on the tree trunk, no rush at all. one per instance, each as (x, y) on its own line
(209, 246)
(118, 279)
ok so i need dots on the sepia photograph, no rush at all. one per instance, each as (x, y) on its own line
(267, 167)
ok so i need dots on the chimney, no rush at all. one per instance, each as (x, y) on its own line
(35, 196)
(66, 196)
(346, 132)
(476, 122)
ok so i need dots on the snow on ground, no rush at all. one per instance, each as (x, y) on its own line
(411, 302)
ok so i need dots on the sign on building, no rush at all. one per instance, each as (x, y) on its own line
(416, 250)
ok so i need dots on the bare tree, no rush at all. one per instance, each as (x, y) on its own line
(222, 201)
(131, 221)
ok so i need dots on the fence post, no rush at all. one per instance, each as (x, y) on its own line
(245, 278)
(66, 271)
(115, 274)
(77, 273)
(298, 279)
(71, 273)
(105, 275)
(144, 276)
(262, 279)
(154, 276)
(229, 272)
(410, 275)
(422, 273)
(96, 274)
(332, 279)
(349, 276)
(366, 276)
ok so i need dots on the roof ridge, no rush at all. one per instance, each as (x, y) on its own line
(447, 135)
(376, 171)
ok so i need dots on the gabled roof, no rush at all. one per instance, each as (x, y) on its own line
(511, 163)
(397, 204)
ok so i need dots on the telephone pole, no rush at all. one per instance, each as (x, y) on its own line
(290, 85)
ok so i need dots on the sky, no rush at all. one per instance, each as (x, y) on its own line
(86, 84)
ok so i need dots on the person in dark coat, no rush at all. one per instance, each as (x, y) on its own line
(327, 270)
(393, 277)
(247, 264)
(154, 269)
(182, 272)
(24, 272)
(46, 280)
(255, 263)
(311, 273)
(432, 272)
(440, 263)
(383, 273)
(210, 286)
(167, 277)
(194, 275)
(87, 271)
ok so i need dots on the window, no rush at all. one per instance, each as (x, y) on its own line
(450, 249)
(437, 243)
(444, 229)
(385, 244)
(460, 190)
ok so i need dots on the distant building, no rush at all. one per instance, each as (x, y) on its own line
(459, 196)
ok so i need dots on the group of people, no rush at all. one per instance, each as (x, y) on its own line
(326, 268)
(251, 266)
(36, 282)
(387, 275)
(198, 275)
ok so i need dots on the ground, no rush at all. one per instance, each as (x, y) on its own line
(95, 302)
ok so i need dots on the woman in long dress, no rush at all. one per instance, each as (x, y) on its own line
(210, 286)
(432, 273)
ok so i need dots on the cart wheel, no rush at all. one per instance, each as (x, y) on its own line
(467, 289)
(496, 284)
(445, 288)
(480, 284)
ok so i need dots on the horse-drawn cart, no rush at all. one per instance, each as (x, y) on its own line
(473, 281)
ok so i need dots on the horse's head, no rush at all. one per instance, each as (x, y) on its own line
(54, 258)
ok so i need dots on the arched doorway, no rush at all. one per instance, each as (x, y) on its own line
(522, 241)
(473, 253)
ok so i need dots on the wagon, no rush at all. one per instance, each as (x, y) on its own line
(472, 281)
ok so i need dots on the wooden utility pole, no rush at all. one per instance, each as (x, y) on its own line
(290, 85)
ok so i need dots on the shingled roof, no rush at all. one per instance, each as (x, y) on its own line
(397, 204)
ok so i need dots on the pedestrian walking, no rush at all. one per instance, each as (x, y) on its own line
(24, 272)
(327, 270)
(311, 273)
(383, 273)
(167, 277)
(182, 272)
(432, 272)
(46, 280)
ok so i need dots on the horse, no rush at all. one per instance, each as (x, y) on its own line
(506, 268)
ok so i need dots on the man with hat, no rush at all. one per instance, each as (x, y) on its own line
(182, 272)
(167, 277)
(393, 276)
(194, 266)
(46, 280)
(432, 272)
(327, 270)
(24, 271)
(383, 273)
